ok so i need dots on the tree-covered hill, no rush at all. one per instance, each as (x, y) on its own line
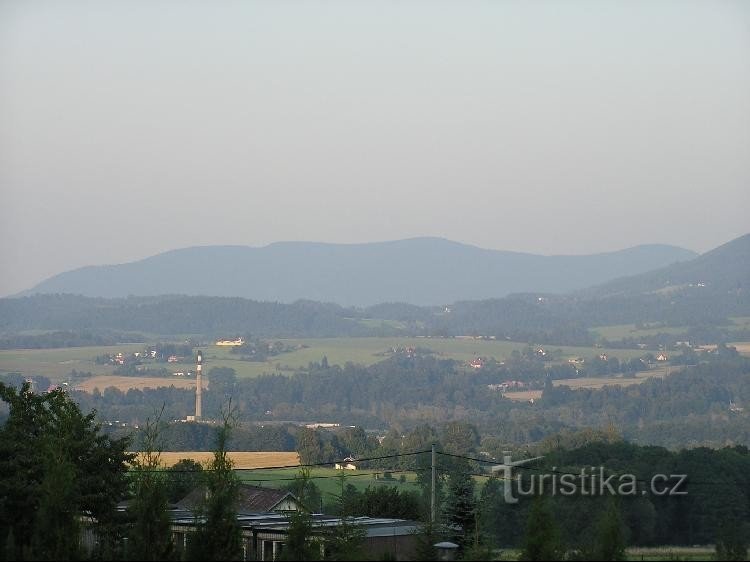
(723, 270)
(422, 271)
(701, 292)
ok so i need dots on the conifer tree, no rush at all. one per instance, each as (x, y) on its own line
(609, 539)
(150, 537)
(219, 536)
(300, 545)
(542, 538)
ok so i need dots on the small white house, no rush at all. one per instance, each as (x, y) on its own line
(346, 464)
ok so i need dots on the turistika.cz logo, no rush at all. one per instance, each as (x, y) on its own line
(591, 481)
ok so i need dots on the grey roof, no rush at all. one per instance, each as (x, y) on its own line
(252, 499)
(275, 522)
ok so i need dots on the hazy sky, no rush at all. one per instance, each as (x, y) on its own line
(130, 128)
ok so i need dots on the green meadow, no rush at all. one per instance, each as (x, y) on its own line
(58, 363)
(328, 480)
(621, 331)
(367, 351)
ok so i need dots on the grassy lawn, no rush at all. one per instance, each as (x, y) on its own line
(384, 324)
(327, 479)
(655, 553)
(593, 383)
(57, 363)
(742, 346)
(671, 553)
(621, 331)
(367, 351)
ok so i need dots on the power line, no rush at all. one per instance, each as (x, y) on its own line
(328, 476)
(490, 461)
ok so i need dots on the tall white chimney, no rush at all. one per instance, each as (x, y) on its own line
(198, 386)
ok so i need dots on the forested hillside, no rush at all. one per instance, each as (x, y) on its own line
(545, 320)
(423, 271)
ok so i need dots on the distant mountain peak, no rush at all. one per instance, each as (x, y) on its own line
(722, 269)
(420, 270)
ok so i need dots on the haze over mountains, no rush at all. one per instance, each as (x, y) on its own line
(726, 268)
(703, 291)
(420, 271)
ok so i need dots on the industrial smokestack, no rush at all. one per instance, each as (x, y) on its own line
(198, 386)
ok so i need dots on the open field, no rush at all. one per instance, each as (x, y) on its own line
(687, 553)
(599, 382)
(742, 346)
(58, 363)
(241, 459)
(671, 553)
(590, 383)
(384, 324)
(366, 351)
(621, 331)
(328, 479)
(523, 395)
(126, 383)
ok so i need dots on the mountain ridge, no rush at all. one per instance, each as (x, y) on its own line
(423, 271)
(724, 268)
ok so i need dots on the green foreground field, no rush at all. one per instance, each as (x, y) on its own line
(328, 480)
(687, 553)
(58, 363)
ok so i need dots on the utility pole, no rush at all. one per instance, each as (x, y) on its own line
(432, 489)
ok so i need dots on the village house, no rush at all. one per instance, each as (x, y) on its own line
(264, 535)
(476, 363)
(230, 343)
(252, 499)
(347, 464)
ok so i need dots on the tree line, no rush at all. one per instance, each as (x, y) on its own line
(548, 319)
(700, 404)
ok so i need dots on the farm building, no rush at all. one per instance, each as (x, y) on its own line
(477, 363)
(347, 464)
(238, 341)
(264, 535)
(252, 499)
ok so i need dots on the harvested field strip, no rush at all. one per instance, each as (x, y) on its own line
(126, 383)
(241, 459)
